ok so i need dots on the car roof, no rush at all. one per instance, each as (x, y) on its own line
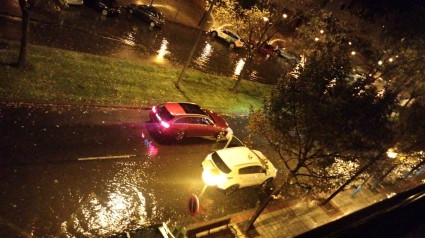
(240, 155)
(179, 108)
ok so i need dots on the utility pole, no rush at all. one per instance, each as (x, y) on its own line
(189, 58)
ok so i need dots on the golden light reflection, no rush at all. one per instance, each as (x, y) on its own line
(162, 51)
(205, 55)
(130, 39)
(121, 205)
(239, 67)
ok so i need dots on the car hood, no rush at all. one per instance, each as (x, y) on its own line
(219, 121)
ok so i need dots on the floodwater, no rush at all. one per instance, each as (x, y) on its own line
(127, 37)
(80, 171)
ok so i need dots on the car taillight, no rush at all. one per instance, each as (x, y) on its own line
(154, 109)
(164, 124)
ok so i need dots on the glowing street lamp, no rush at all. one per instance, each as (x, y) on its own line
(392, 154)
(353, 52)
(285, 15)
(380, 62)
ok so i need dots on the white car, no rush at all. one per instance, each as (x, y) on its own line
(74, 2)
(232, 38)
(232, 168)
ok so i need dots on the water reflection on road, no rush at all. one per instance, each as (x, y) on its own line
(122, 199)
(128, 38)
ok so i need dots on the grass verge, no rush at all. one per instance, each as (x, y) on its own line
(60, 76)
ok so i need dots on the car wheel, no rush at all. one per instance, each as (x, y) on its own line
(130, 11)
(214, 34)
(220, 135)
(278, 52)
(267, 185)
(232, 45)
(231, 189)
(104, 12)
(179, 136)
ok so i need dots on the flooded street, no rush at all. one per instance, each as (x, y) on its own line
(78, 171)
(79, 28)
(84, 171)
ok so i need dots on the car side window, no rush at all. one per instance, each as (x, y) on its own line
(183, 120)
(250, 170)
(205, 121)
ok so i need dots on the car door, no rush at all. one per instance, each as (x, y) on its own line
(203, 126)
(251, 175)
(181, 124)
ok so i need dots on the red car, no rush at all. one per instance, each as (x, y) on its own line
(267, 50)
(179, 120)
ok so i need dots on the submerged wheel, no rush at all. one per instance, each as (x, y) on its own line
(231, 189)
(152, 24)
(220, 135)
(232, 45)
(104, 12)
(179, 136)
(214, 34)
(267, 185)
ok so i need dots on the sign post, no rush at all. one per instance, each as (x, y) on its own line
(193, 205)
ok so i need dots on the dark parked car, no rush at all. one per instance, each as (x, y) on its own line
(106, 7)
(179, 120)
(147, 13)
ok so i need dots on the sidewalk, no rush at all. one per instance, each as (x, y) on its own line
(293, 217)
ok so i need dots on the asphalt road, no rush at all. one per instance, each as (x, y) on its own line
(92, 171)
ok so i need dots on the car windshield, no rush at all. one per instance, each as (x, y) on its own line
(164, 113)
(110, 3)
(220, 163)
(262, 161)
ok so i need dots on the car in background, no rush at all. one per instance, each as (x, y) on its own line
(230, 37)
(267, 50)
(74, 2)
(147, 13)
(284, 53)
(182, 119)
(236, 167)
(106, 7)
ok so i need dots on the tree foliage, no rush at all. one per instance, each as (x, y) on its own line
(318, 116)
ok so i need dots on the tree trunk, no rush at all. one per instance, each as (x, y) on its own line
(26, 7)
(263, 206)
(189, 58)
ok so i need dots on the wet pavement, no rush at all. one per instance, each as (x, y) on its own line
(80, 28)
(73, 171)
